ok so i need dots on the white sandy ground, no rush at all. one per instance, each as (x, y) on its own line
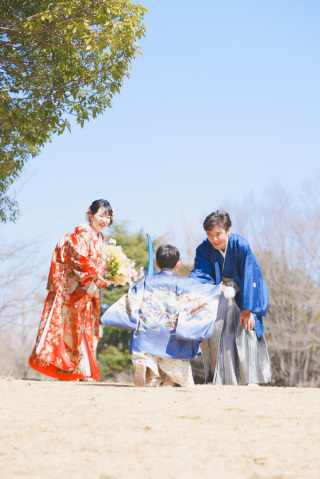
(51, 429)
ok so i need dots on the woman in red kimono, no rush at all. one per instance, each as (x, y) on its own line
(69, 328)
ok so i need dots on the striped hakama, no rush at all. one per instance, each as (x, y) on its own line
(233, 355)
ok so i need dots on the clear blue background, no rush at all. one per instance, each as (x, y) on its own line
(224, 101)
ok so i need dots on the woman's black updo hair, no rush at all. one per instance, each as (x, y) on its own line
(96, 205)
(220, 218)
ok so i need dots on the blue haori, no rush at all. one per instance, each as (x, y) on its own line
(168, 315)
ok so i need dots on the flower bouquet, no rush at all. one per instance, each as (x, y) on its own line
(120, 269)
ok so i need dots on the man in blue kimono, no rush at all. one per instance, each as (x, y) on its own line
(168, 316)
(237, 352)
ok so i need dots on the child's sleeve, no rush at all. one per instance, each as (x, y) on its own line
(207, 290)
(198, 310)
(125, 312)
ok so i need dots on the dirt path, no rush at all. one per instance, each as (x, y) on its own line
(52, 429)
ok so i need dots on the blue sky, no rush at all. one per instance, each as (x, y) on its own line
(224, 101)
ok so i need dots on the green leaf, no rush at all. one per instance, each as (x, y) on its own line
(56, 77)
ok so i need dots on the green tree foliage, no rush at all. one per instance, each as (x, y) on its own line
(113, 348)
(58, 58)
(113, 360)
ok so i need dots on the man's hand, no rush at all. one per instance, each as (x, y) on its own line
(248, 320)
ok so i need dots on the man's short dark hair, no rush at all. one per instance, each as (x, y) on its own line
(167, 256)
(220, 218)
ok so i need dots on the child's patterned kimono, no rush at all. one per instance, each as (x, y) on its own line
(168, 316)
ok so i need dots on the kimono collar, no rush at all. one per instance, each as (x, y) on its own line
(167, 271)
(97, 239)
(215, 263)
(85, 227)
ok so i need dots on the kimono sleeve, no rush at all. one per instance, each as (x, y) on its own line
(254, 291)
(198, 310)
(202, 270)
(78, 260)
(124, 313)
(54, 277)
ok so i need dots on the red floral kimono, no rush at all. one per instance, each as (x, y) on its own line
(69, 328)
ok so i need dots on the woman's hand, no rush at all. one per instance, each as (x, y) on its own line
(248, 320)
(222, 287)
(101, 281)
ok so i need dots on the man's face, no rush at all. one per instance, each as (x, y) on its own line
(218, 237)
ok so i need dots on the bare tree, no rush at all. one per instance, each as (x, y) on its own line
(17, 282)
(187, 235)
(20, 307)
(284, 231)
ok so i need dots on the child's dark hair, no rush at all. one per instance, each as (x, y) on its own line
(167, 256)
